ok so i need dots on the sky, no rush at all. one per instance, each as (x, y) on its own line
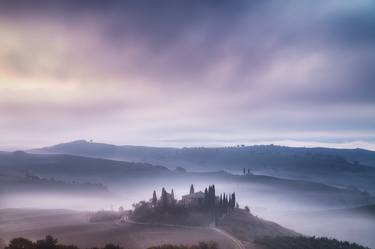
(187, 73)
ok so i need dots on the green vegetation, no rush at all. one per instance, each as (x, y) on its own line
(283, 242)
(51, 243)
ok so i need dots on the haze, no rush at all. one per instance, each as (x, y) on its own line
(187, 73)
(265, 106)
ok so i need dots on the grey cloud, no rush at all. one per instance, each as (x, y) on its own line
(216, 54)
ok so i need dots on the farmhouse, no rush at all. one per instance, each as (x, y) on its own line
(193, 200)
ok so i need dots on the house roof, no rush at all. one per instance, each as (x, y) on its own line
(199, 194)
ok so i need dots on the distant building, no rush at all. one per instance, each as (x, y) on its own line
(193, 200)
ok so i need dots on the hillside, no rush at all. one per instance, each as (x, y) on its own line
(126, 176)
(201, 155)
(75, 167)
(14, 184)
(247, 227)
(331, 166)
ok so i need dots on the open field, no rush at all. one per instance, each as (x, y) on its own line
(73, 227)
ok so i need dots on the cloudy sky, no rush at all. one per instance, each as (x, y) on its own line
(187, 73)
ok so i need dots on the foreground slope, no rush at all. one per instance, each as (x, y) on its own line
(74, 228)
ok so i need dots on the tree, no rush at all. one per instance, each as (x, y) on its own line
(164, 198)
(172, 197)
(211, 196)
(48, 243)
(192, 189)
(154, 199)
(233, 201)
(247, 209)
(20, 243)
(206, 197)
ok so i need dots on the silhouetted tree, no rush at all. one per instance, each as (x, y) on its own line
(192, 189)
(20, 243)
(211, 196)
(173, 200)
(233, 201)
(247, 209)
(154, 199)
(164, 198)
(48, 243)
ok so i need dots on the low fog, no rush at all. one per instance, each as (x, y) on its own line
(310, 210)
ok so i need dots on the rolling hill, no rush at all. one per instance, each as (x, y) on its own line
(330, 166)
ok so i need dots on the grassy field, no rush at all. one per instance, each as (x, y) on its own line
(74, 227)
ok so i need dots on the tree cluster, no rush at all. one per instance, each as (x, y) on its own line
(224, 203)
(210, 197)
(227, 202)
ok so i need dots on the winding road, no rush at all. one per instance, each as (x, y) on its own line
(238, 243)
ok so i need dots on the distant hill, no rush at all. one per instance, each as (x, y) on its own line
(125, 176)
(28, 184)
(367, 210)
(345, 167)
(74, 167)
(259, 156)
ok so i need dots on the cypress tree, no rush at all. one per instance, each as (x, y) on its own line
(206, 197)
(172, 197)
(233, 200)
(154, 198)
(164, 198)
(192, 189)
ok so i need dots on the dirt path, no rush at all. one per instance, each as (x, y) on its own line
(238, 243)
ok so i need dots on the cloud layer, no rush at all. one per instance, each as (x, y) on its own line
(177, 73)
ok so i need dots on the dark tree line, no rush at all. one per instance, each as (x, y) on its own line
(48, 243)
(51, 243)
(285, 242)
